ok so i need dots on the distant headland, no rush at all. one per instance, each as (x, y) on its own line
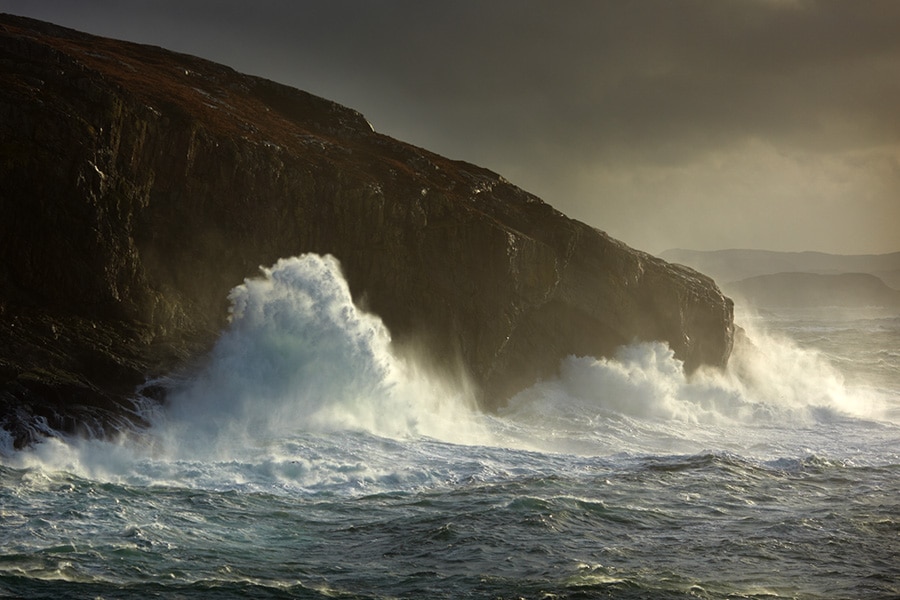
(800, 279)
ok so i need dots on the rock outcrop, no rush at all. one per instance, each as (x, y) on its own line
(138, 186)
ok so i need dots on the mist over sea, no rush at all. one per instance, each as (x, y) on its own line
(306, 461)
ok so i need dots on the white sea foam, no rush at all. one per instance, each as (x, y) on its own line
(300, 358)
(643, 401)
(305, 437)
(769, 378)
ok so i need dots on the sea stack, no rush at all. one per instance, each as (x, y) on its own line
(138, 186)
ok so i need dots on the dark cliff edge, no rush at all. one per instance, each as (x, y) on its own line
(138, 186)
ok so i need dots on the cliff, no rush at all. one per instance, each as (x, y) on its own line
(137, 186)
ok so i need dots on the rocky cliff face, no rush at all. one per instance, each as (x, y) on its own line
(138, 186)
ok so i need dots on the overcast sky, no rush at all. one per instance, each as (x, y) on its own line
(712, 124)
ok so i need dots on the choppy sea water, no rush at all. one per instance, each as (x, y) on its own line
(307, 462)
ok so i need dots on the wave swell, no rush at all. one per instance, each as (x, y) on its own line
(300, 357)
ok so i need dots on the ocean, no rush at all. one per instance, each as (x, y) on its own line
(306, 461)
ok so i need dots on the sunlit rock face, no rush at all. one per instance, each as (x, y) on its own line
(138, 186)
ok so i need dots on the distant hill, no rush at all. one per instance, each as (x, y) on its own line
(727, 266)
(798, 290)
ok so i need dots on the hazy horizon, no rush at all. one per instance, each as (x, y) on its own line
(754, 124)
(724, 250)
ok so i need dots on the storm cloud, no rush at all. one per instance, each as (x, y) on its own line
(750, 123)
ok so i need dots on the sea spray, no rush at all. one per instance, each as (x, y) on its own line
(767, 378)
(298, 355)
(298, 358)
(642, 399)
(622, 477)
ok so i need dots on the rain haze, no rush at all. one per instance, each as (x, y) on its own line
(745, 124)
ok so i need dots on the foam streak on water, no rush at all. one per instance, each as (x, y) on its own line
(306, 461)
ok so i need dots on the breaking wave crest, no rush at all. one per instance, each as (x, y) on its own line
(306, 460)
(300, 357)
(766, 381)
